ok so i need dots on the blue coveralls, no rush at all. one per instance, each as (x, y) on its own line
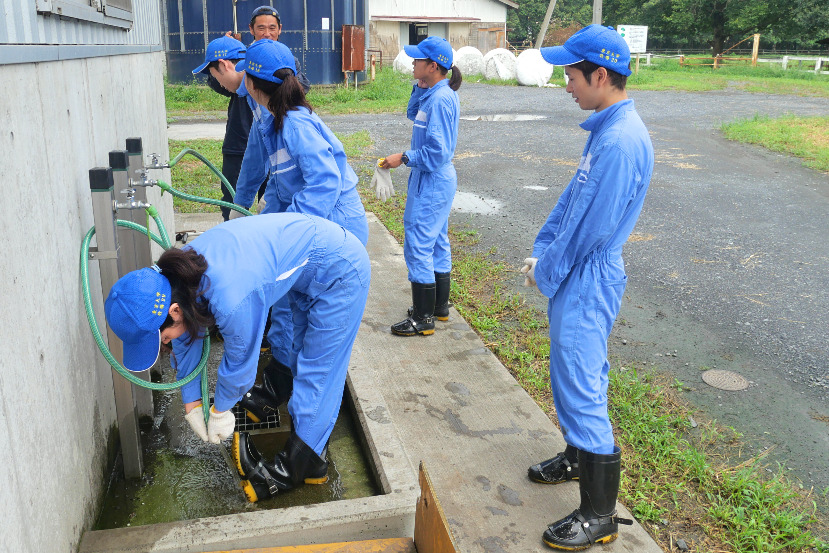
(307, 172)
(580, 268)
(306, 167)
(432, 181)
(252, 263)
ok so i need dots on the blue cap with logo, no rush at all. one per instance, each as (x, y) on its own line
(265, 57)
(434, 48)
(595, 43)
(223, 48)
(135, 309)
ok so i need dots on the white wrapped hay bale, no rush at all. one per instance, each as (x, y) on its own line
(470, 61)
(403, 63)
(531, 68)
(499, 64)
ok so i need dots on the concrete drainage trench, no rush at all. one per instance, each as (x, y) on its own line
(189, 500)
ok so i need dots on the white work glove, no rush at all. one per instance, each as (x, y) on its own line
(195, 418)
(381, 183)
(529, 271)
(220, 425)
(236, 214)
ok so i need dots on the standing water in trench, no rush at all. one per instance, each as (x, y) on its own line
(185, 478)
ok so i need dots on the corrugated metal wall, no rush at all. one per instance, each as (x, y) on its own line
(23, 25)
(318, 49)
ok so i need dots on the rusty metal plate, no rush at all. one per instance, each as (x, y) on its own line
(724, 380)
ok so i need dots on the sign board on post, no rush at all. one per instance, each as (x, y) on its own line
(636, 37)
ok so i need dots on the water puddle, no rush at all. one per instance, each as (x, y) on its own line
(504, 117)
(466, 202)
(185, 478)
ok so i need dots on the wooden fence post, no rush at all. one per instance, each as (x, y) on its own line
(755, 51)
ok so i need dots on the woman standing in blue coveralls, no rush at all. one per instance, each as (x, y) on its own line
(435, 109)
(309, 173)
(577, 263)
(231, 275)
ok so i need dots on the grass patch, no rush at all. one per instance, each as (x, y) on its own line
(192, 176)
(804, 137)
(666, 74)
(673, 478)
(389, 92)
(193, 99)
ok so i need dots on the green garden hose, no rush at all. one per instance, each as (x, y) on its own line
(163, 240)
(212, 167)
(201, 368)
(177, 193)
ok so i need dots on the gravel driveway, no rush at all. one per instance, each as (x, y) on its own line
(729, 264)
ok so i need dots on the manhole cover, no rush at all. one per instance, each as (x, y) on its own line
(725, 380)
(503, 117)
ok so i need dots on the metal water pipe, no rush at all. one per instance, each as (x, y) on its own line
(102, 182)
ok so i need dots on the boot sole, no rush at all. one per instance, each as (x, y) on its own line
(553, 483)
(424, 333)
(237, 459)
(444, 319)
(600, 541)
(321, 480)
(250, 493)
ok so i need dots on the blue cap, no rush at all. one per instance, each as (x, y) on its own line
(595, 43)
(434, 48)
(265, 57)
(223, 48)
(135, 309)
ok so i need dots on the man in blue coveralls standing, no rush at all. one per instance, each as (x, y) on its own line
(577, 263)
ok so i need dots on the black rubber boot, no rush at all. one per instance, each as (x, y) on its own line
(442, 285)
(421, 320)
(595, 520)
(296, 464)
(264, 399)
(559, 469)
(244, 453)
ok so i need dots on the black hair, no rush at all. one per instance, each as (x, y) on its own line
(587, 68)
(264, 10)
(185, 269)
(215, 64)
(456, 79)
(282, 97)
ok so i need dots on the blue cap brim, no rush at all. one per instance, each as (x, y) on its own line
(559, 55)
(201, 68)
(240, 66)
(141, 355)
(414, 52)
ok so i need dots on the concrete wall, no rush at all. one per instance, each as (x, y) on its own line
(57, 415)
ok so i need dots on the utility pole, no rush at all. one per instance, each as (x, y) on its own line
(546, 23)
(597, 11)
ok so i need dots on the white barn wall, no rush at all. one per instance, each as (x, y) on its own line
(485, 10)
(61, 118)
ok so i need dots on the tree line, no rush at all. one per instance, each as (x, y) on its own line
(692, 25)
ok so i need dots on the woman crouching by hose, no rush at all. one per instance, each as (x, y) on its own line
(231, 275)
